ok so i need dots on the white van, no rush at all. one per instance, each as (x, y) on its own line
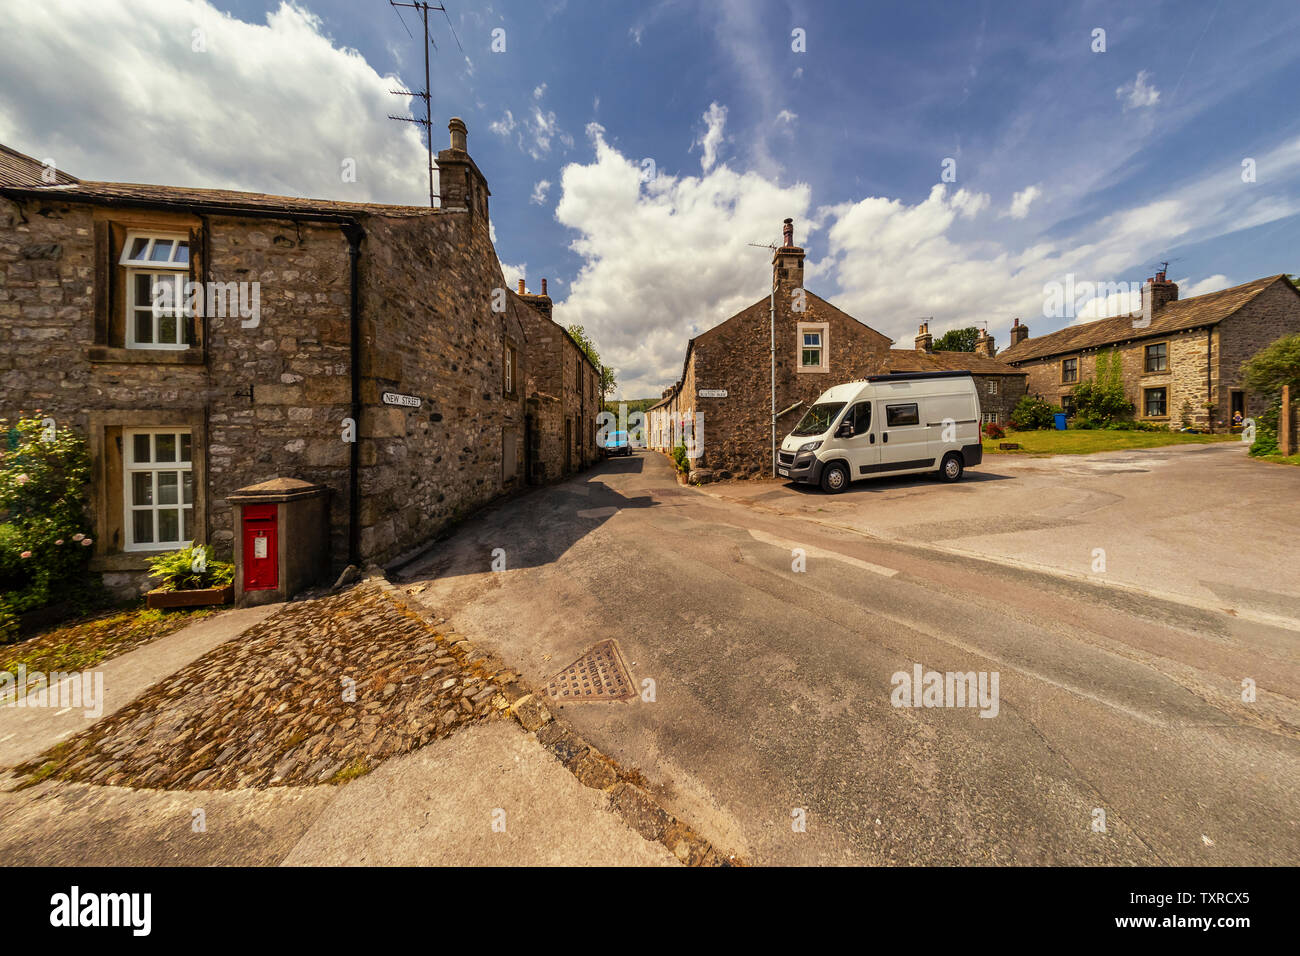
(901, 424)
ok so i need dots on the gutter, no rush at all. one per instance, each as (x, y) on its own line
(50, 193)
(354, 234)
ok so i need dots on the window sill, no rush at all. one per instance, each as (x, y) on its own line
(811, 368)
(125, 560)
(104, 354)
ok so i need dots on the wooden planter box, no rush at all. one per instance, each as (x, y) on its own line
(201, 597)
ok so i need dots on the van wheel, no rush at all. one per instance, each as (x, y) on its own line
(835, 478)
(951, 468)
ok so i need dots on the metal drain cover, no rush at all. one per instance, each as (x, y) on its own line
(599, 674)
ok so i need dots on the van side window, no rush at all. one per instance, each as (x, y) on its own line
(896, 415)
(861, 418)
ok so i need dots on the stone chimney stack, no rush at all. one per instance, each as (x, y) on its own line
(461, 186)
(924, 340)
(542, 303)
(1159, 291)
(787, 263)
(1018, 332)
(984, 344)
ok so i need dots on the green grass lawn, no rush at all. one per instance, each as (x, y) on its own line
(1085, 442)
(83, 643)
(1279, 460)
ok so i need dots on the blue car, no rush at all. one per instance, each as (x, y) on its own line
(617, 444)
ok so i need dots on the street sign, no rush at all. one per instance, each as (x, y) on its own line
(713, 393)
(397, 398)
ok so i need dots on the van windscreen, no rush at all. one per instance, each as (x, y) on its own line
(819, 418)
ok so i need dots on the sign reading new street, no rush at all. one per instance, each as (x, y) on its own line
(713, 393)
(397, 398)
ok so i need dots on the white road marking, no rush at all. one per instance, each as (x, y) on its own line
(60, 713)
(821, 553)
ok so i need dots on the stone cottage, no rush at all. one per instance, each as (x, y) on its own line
(728, 370)
(564, 394)
(205, 340)
(1180, 358)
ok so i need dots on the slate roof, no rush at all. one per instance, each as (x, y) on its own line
(21, 175)
(18, 169)
(913, 360)
(1196, 312)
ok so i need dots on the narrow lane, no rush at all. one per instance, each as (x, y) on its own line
(773, 685)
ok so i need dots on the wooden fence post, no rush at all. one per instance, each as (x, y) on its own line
(1285, 433)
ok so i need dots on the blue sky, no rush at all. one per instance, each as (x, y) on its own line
(1067, 161)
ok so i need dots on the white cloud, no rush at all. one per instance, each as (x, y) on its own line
(715, 118)
(539, 91)
(539, 192)
(1139, 93)
(504, 126)
(1214, 283)
(1022, 200)
(667, 259)
(677, 247)
(513, 274)
(785, 116)
(250, 112)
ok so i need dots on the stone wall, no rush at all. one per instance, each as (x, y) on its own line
(271, 400)
(562, 387)
(1269, 316)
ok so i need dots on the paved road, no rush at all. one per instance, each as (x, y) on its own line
(773, 686)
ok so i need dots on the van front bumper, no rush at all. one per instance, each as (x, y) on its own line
(805, 468)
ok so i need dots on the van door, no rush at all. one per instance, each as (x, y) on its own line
(904, 436)
(862, 449)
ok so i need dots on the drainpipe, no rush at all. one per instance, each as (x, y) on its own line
(1209, 379)
(354, 234)
(771, 318)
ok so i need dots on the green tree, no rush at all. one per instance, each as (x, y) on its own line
(957, 340)
(607, 378)
(1265, 372)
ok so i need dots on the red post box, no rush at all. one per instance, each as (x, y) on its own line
(261, 548)
(282, 539)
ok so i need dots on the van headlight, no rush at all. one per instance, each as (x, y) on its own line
(809, 446)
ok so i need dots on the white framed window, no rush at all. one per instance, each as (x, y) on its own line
(158, 488)
(993, 386)
(990, 418)
(813, 348)
(157, 266)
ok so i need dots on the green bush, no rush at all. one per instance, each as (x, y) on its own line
(1102, 400)
(191, 569)
(1266, 430)
(680, 460)
(44, 545)
(1032, 412)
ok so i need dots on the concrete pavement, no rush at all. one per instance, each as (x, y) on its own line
(434, 807)
(773, 685)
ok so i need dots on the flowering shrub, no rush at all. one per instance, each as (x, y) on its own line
(994, 430)
(44, 545)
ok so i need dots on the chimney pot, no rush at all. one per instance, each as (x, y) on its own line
(458, 133)
(521, 286)
(787, 233)
(543, 287)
